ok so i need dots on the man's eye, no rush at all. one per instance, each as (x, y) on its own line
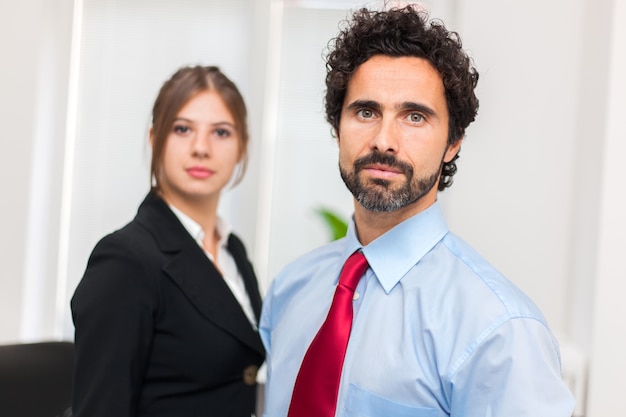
(416, 117)
(366, 114)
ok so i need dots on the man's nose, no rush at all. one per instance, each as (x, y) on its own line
(385, 139)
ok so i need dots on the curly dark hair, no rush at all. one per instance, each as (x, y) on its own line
(400, 32)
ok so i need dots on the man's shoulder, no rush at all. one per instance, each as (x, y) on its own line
(458, 248)
(480, 272)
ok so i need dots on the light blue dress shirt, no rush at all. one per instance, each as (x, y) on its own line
(437, 331)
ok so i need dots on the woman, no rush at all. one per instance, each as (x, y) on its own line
(166, 313)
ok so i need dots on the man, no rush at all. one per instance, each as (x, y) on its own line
(432, 329)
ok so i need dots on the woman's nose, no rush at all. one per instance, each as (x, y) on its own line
(201, 146)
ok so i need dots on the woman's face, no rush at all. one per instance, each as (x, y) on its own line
(201, 151)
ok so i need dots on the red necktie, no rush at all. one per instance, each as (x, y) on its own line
(317, 385)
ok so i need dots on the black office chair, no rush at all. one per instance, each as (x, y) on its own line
(36, 379)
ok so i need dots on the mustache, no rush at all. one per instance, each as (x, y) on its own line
(383, 159)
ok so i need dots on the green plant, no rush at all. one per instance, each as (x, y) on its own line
(337, 226)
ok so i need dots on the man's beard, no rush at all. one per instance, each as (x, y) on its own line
(378, 194)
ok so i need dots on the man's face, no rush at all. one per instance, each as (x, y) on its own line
(393, 133)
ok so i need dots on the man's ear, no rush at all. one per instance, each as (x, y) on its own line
(452, 150)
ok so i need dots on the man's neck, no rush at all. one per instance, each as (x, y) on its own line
(372, 224)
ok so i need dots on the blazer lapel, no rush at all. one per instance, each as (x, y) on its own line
(236, 248)
(205, 288)
(195, 275)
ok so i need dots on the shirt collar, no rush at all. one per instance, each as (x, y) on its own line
(195, 230)
(395, 252)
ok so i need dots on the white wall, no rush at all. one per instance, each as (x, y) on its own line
(528, 193)
(528, 177)
(608, 361)
(35, 45)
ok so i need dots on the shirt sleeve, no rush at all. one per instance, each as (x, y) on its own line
(513, 371)
(113, 309)
(265, 327)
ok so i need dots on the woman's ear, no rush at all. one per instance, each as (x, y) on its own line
(452, 151)
(151, 137)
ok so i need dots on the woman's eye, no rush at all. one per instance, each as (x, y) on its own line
(416, 117)
(181, 130)
(366, 113)
(222, 133)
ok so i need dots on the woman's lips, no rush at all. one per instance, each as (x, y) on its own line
(199, 172)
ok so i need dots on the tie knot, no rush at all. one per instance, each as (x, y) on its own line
(353, 270)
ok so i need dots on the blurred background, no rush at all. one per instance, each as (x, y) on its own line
(537, 192)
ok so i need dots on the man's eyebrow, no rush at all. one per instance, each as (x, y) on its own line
(360, 104)
(422, 108)
(407, 105)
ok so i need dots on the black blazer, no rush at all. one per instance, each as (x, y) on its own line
(158, 331)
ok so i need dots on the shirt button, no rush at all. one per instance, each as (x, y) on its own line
(356, 296)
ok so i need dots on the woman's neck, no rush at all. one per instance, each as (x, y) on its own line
(202, 211)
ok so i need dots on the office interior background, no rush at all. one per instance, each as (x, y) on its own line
(539, 190)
